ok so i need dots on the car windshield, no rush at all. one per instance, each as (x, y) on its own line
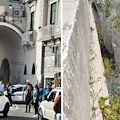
(17, 89)
(52, 96)
(1, 94)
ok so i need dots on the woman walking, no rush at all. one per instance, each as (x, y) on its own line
(28, 98)
(36, 99)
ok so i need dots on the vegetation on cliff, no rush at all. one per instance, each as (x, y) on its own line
(109, 111)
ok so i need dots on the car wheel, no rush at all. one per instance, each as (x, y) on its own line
(6, 109)
(40, 115)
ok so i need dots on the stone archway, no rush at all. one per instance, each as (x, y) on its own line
(5, 71)
(10, 47)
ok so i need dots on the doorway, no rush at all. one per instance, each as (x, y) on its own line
(5, 71)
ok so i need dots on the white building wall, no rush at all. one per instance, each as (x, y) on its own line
(33, 54)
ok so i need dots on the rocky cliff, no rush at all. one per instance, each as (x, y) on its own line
(84, 79)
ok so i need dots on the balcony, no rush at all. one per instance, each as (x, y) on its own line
(29, 39)
(3, 19)
(15, 0)
(49, 32)
(29, 1)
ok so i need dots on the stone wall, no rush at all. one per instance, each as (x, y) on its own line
(76, 41)
(83, 71)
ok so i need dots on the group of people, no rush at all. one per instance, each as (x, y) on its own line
(37, 95)
(9, 90)
(34, 95)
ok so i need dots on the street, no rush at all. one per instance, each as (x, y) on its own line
(17, 112)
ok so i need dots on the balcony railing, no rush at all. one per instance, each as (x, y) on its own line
(15, 0)
(29, 1)
(50, 31)
(3, 19)
(29, 38)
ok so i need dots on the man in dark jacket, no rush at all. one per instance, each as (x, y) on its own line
(57, 107)
(41, 91)
(28, 83)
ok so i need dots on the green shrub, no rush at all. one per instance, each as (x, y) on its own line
(91, 28)
(107, 13)
(112, 110)
(116, 22)
(100, 37)
(108, 67)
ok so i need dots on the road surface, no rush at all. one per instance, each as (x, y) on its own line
(17, 112)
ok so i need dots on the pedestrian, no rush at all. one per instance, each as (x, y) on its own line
(41, 91)
(1, 87)
(28, 97)
(36, 100)
(9, 92)
(57, 107)
(28, 83)
(47, 91)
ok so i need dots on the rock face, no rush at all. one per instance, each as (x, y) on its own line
(83, 79)
(110, 28)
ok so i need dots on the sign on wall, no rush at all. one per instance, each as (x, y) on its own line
(49, 60)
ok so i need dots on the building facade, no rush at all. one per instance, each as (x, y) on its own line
(31, 39)
(50, 36)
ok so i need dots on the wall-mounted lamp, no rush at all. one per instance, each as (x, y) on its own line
(10, 7)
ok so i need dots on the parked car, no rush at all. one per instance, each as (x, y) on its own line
(46, 107)
(4, 105)
(18, 93)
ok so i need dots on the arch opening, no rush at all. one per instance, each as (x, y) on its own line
(33, 69)
(25, 70)
(5, 71)
(10, 48)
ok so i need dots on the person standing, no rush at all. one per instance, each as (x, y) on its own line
(35, 100)
(28, 97)
(57, 107)
(9, 92)
(47, 91)
(28, 83)
(1, 87)
(41, 91)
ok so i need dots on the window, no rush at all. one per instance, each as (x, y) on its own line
(57, 56)
(15, 0)
(33, 69)
(17, 89)
(1, 94)
(25, 88)
(59, 93)
(50, 81)
(53, 13)
(52, 96)
(25, 70)
(32, 21)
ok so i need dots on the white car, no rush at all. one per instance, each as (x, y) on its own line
(46, 107)
(4, 105)
(18, 93)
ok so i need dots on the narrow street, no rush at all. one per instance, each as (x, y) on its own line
(17, 112)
